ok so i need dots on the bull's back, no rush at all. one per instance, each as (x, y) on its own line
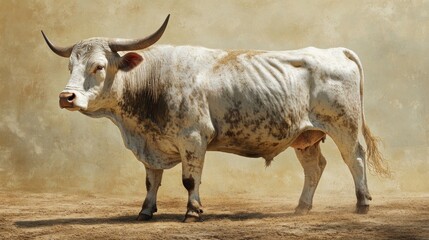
(257, 103)
(261, 101)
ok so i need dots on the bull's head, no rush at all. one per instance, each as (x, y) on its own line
(93, 66)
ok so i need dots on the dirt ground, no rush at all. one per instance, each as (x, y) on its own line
(68, 216)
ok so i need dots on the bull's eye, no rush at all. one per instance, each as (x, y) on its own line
(98, 68)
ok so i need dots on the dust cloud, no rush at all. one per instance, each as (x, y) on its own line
(44, 148)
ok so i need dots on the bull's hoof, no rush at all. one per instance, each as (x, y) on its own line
(144, 217)
(190, 219)
(302, 208)
(301, 211)
(362, 209)
(192, 216)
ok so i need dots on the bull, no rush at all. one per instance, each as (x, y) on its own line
(172, 104)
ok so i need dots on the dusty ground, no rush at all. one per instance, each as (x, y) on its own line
(64, 216)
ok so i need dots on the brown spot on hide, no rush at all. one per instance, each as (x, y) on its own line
(297, 63)
(183, 108)
(325, 118)
(233, 116)
(231, 57)
(229, 133)
(189, 183)
(351, 124)
(189, 155)
(144, 104)
(340, 116)
(277, 126)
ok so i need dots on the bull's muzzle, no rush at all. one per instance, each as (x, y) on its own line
(67, 100)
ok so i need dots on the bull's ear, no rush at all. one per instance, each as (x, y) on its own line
(130, 61)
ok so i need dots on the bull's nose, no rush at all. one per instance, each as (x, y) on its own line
(66, 100)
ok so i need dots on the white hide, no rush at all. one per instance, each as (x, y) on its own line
(271, 90)
(181, 101)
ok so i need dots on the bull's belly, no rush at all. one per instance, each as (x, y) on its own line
(268, 148)
(248, 151)
(250, 144)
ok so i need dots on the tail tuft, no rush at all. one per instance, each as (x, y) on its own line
(376, 163)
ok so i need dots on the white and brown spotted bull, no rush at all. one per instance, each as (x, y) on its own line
(174, 103)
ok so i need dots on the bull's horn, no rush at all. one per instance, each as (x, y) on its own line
(136, 44)
(61, 51)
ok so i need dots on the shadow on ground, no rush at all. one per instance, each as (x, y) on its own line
(131, 219)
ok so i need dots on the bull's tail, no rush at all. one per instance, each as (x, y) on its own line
(376, 162)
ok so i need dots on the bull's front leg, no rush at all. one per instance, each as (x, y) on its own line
(153, 181)
(192, 153)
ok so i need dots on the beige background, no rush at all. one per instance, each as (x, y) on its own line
(44, 148)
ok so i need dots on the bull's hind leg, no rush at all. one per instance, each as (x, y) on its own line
(313, 163)
(153, 181)
(354, 156)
